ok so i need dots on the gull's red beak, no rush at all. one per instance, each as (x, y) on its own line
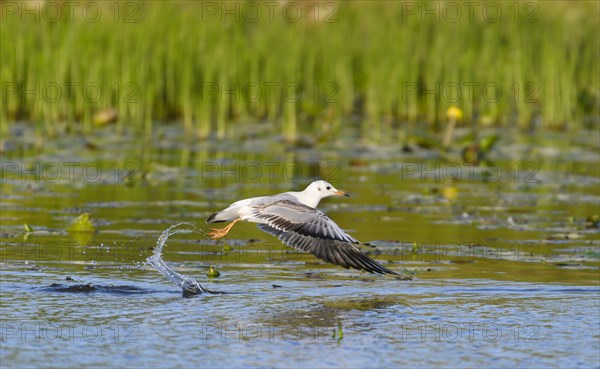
(341, 193)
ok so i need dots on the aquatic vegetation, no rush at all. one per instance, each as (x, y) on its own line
(82, 223)
(213, 272)
(476, 151)
(593, 221)
(28, 228)
(454, 113)
(104, 117)
(339, 333)
(144, 62)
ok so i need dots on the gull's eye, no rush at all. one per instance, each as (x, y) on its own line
(329, 187)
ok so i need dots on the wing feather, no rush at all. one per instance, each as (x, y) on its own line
(310, 230)
(290, 216)
(330, 247)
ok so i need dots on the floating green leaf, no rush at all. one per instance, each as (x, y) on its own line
(487, 143)
(213, 272)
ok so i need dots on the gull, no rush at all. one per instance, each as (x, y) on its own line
(293, 218)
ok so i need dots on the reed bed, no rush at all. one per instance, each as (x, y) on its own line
(215, 65)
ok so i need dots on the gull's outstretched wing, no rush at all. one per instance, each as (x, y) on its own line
(310, 230)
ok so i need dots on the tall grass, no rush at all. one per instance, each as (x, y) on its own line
(375, 59)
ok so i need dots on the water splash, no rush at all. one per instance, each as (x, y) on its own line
(188, 284)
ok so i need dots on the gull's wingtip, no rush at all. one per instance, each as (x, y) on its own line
(382, 270)
(389, 272)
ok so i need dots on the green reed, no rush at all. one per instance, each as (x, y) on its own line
(159, 61)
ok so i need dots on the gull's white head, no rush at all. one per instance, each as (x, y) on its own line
(318, 190)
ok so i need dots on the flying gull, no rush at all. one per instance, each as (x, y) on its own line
(294, 219)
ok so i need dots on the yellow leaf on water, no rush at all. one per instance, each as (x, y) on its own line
(450, 192)
(82, 223)
(106, 116)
